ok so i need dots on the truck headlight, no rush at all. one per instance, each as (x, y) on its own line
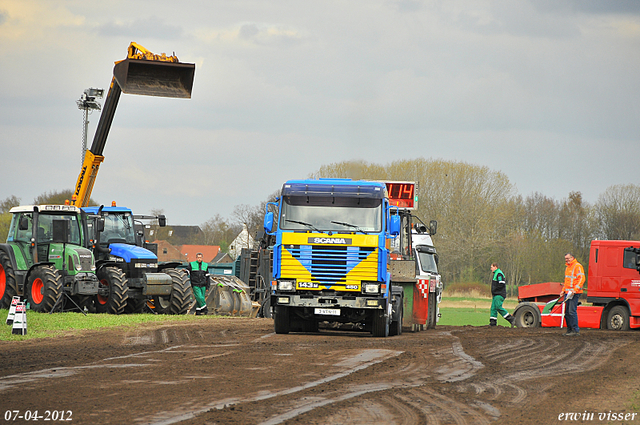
(371, 288)
(285, 285)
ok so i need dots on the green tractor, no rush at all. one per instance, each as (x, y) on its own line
(44, 261)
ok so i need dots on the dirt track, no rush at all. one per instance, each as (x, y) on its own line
(237, 371)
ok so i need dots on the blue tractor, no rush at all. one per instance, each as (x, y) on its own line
(128, 266)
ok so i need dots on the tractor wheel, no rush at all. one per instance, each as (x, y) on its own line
(380, 326)
(44, 288)
(527, 317)
(7, 281)
(281, 319)
(181, 294)
(618, 319)
(114, 279)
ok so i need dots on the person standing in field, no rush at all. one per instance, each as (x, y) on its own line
(498, 294)
(572, 289)
(199, 272)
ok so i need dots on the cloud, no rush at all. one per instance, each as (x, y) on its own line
(151, 27)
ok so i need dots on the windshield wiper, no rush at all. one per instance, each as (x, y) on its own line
(353, 226)
(310, 226)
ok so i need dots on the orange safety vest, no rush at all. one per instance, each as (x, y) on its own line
(573, 277)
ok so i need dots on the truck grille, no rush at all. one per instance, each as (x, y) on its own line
(330, 265)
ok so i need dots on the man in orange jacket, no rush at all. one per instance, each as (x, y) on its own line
(572, 289)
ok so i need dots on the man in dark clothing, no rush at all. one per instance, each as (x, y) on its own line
(199, 272)
(499, 293)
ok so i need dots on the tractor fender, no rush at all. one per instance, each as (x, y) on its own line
(9, 251)
(168, 265)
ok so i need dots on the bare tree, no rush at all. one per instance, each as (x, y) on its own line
(618, 212)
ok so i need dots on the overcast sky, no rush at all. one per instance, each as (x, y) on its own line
(547, 92)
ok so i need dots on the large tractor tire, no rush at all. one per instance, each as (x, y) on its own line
(43, 288)
(7, 281)
(380, 325)
(115, 302)
(181, 294)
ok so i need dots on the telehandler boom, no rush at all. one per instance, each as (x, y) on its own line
(142, 72)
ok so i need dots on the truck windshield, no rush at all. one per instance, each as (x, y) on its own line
(118, 227)
(427, 261)
(327, 213)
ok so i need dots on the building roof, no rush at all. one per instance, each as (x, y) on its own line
(209, 252)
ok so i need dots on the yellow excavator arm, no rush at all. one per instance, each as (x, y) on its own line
(144, 73)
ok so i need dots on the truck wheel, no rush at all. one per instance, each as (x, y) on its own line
(527, 317)
(281, 320)
(618, 319)
(432, 306)
(7, 281)
(44, 288)
(181, 293)
(114, 279)
(396, 326)
(380, 326)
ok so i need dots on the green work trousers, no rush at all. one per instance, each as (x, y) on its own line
(496, 307)
(200, 293)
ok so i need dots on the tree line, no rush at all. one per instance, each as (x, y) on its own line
(481, 219)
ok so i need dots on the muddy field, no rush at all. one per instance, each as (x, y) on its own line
(237, 371)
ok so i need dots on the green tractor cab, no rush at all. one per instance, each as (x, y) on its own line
(43, 259)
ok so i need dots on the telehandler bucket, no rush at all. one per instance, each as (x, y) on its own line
(155, 78)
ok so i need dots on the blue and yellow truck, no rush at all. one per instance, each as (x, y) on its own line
(331, 257)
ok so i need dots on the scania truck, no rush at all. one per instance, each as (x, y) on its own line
(331, 258)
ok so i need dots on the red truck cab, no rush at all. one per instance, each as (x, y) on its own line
(614, 280)
(613, 290)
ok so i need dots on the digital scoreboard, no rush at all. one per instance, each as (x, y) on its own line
(402, 194)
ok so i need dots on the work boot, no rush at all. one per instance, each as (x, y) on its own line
(205, 310)
(493, 322)
(570, 332)
(512, 320)
(199, 311)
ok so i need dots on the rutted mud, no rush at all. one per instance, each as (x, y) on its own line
(228, 371)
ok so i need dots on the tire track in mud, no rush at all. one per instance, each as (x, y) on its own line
(522, 360)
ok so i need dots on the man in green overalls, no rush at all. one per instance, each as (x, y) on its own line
(199, 272)
(499, 293)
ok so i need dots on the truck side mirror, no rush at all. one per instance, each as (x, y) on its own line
(394, 225)
(433, 227)
(162, 220)
(268, 222)
(24, 223)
